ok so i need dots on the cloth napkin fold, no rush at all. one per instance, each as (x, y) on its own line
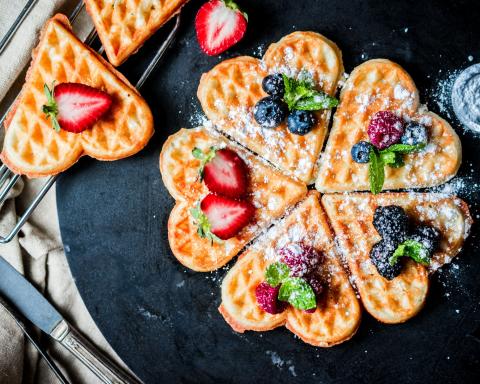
(37, 251)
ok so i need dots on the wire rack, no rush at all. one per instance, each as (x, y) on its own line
(8, 179)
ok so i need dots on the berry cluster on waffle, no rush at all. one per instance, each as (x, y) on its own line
(86, 93)
(124, 25)
(304, 272)
(268, 195)
(229, 92)
(379, 115)
(337, 314)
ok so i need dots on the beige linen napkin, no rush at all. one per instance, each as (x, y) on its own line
(37, 251)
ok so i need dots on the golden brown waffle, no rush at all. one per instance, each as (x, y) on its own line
(338, 312)
(124, 25)
(374, 86)
(270, 191)
(229, 92)
(32, 147)
(351, 216)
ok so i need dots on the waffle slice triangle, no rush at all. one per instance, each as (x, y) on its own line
(124, 25)
(338, 312)
(32, 147)
(351, 216)
(374, 86)
(229, 92)
(271, 192)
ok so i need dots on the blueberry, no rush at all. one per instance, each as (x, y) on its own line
(391, 222)
(273, 85)
(414, 134)
(270, 111)
(300, 122)
(361, 152)
(428, 236)
(380, 255)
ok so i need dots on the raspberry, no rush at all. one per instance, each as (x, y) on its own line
(385, 129)
(300, 258)
(267, 298)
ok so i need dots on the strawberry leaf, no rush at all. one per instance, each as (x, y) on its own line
(50, 109)
(204, 158)
(201, 220)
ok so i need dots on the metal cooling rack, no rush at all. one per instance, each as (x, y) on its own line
(8, 178)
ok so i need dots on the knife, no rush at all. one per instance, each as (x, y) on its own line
(33, 306)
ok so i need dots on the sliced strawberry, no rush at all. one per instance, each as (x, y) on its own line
(219, 24)
(223, 171)
(75, 107)
(221, 217)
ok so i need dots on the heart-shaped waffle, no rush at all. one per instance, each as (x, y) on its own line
(32, 147)
(124, 25)
(338, 312)
(351, 216)
(374, 86)
(229, 92)
(271, 192)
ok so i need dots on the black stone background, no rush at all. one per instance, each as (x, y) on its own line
(162, 319)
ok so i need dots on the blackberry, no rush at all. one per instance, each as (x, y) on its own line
(428, 236)
(391, 222)
(380, 254)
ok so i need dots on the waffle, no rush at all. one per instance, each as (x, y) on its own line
(124, 25)
(338, 312)
(397, 300)
(271, 193)
(230, 90)
(32, 147)
(383, 85)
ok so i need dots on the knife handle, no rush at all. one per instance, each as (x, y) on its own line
(107, 371)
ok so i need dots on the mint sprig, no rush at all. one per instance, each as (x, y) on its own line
(294, 290)
(204, 158)
(413, 249)
(204, 228)
(298, 293)
(276, 273)
(301, 95)
(391, 156)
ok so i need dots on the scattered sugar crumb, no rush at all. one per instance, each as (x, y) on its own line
(180, 284)
(470, 58)
(405, 30)
(280, 363)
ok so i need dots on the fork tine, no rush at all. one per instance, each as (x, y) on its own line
(7, 189)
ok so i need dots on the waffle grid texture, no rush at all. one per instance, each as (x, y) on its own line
(124, 25)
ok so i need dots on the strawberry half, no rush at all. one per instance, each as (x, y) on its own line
(219, 24)
(75, 107)
(221, 217)
(223, 171)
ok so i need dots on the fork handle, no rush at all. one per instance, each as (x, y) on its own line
(107, 371)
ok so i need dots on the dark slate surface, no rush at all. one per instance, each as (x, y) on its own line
(163, 319)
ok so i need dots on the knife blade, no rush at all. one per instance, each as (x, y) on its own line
(20, 293)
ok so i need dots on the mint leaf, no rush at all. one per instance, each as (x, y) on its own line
(393, 159)
(301, 94)
(276, 273)
(376, 172)
(298, 293)
(316, 102)
(413, 249)
(404, 148)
